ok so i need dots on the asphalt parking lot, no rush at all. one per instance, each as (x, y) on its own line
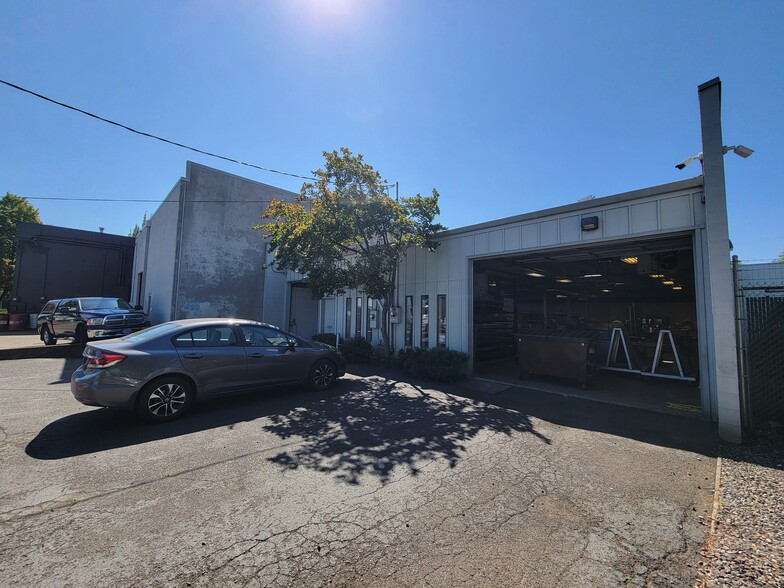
(376, 482)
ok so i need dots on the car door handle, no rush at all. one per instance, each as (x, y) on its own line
(193, 356)
(257, 354)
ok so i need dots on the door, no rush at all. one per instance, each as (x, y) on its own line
(214, 356)
(273, 356)
(65, 317)
(303, 312)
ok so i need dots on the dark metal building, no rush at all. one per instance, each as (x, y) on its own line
(56, 262)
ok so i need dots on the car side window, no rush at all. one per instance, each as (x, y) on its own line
(207, 337)
(69, 306)
(48, 308)
(258, 336)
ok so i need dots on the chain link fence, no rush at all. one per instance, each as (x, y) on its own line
(759, 296)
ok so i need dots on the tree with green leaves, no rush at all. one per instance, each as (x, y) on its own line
(345, 232)
(13, 210)
(134, 232)
(780, 257)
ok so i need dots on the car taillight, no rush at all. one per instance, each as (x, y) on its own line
(104, 360)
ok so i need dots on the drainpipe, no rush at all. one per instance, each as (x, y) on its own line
(741, 348)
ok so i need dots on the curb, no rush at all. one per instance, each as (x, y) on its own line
(43, 351)
(716, 497)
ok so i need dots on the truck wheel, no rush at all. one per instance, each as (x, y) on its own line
(47, 337)
(81, 335)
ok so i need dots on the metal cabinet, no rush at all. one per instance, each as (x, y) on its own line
(561, 353)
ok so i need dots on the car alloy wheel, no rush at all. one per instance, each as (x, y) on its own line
(322, 376)
(165, 399)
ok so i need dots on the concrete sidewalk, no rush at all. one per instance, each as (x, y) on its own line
(27, 344)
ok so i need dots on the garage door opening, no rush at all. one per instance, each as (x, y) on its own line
(613, 323)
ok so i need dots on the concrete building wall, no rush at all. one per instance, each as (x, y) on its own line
(156, 248)
(221, 256)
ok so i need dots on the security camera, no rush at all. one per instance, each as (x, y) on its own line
(688, 160)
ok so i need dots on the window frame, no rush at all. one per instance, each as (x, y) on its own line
(409, 324)
(441, 320)
(424, 321)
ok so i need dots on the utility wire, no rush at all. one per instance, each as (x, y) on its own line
(152, 200)
(151, 136)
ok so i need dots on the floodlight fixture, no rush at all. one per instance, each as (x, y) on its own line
(741, 150)
(744, 152)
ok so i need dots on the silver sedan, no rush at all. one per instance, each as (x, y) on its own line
(161, 371)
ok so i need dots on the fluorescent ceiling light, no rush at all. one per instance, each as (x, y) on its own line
(534, 274)
(606, 290)
(592, 276)
(677, 287)
(563, 280)
(629, 260)
(657, 275)
(668, 282)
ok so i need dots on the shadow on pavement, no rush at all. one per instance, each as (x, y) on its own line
(661, 429)
(69, 367)
(102, 429)
(655, 428)
(382, 424)
(362, 427)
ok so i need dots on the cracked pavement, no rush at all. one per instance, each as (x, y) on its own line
(377, 482)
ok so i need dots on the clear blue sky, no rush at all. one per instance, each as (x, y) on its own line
(504, 107)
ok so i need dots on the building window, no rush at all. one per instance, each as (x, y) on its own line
(370, 312)
(441, 311)
(424, 341)
(358, 326)
(409, 321)
(347, 332)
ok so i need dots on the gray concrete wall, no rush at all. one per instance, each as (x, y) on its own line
(156, 247)
(221, 256)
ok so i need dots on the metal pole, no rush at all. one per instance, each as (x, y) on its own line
(745, 413)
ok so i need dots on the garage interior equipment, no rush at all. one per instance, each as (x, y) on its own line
(632, 306)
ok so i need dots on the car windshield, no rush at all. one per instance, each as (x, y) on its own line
(104, 304)
(150, 333)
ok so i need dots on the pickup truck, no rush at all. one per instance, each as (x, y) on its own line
(81, 319)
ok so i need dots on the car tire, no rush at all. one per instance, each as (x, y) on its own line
(81, 335)
(322, 375)
(47, 337)
(164, 399)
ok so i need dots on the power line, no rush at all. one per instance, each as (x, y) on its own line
(151, 200)
(151, 136)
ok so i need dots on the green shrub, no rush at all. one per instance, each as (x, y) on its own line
(328, 338)
(439, 364)
(357, 350)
